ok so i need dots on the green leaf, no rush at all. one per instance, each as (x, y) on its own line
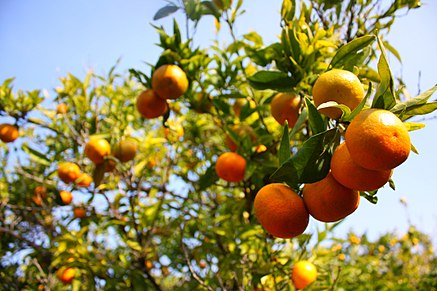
(274, 80)
(349, 50)
(420, 110)
(207, 179)
(391, 49)
(36, 156)
(316, 120)
(284, 148)
(351, 115)
(411, 126)
(416, 105)
(311, 163)
(300, 120)
(385, 97)
(288, 10)
(370, 196)
(165, 11)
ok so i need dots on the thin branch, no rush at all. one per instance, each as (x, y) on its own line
(19, 237)
(190, 266)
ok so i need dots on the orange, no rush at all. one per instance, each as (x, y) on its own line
(202, 264)
(303, 274)
(378, 140)
(353, 176)
(340, 86)
(329, 201)
(66, 274)
(68, 172)
(97, 149)
(84, 180)
(62, 108)
(281, 211)
(149, 264)
(231, 167)
(79, 212)
(169, 82)
(149, 105)
(8, 132)
(66, 197)
(125, 150)
(39, 193)
(285, 106)
(241, 130)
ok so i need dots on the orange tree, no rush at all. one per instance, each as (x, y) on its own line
(158, 216)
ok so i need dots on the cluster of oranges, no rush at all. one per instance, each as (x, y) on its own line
(376, 141)
(168, 82)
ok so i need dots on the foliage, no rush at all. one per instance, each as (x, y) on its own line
(152, 223)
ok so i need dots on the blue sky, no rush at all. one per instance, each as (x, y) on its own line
(43, 40)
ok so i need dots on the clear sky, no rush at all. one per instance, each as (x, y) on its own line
(41, 41)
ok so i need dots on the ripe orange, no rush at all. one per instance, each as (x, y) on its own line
(202, 264)
(329, 201)
(68, 172)
(303, 274)
(281, 211)
(39, 193)
(351, 175)
(169, 82)
(8, 132)
(149, 105)
(97, 149)
(241, 130)
(340, 86)
(84, 180)
(149, 264)
(66, 197)
(62, 108)
(231, 167)
(285, 106)
(66, 274)
(125, 150)
(378, 140)
(79, 212)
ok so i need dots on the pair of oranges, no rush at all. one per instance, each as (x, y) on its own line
(376, 141)
(168, 82)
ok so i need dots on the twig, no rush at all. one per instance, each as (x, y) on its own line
(195, 275)
(19, 237)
